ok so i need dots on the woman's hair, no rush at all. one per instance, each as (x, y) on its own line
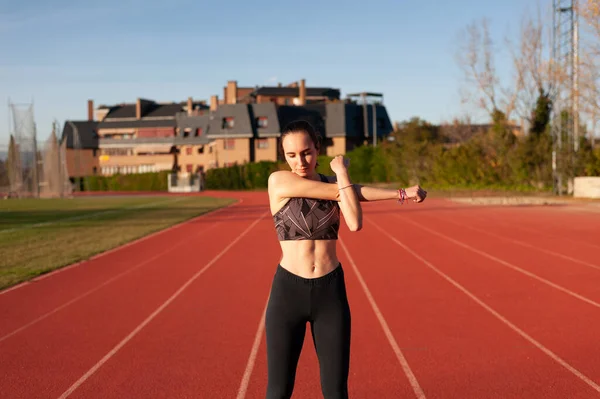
(300, 126)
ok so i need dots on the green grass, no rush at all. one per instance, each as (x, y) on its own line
(41, 235)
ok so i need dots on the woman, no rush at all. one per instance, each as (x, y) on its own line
(309, 285)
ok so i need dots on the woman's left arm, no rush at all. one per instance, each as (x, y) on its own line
(366, 193)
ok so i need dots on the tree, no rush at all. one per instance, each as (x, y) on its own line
(482, 85)
(533, 73)
(540, 117)
(589, 87)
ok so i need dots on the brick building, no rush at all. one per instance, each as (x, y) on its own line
(242, 127)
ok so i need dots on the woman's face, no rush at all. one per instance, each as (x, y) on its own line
(300, 153)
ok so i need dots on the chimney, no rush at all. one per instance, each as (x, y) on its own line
(190, 106)
(279, 84)
(138, 109)
(90, 110)
(231, 92)
(214, 103)
(302, 92)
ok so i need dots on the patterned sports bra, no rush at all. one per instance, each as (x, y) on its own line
(308, 219)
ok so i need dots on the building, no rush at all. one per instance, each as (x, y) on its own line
(82, 148)
(244, 126)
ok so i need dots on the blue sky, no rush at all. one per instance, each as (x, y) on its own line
(59, 54)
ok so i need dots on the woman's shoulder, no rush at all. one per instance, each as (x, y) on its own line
(279, 176)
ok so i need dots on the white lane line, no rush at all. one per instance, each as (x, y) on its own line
(386, 329)
(162, 307)
(112, 279)
(128, 244)
(253, 353)
(544, 234)
(523, 244)
(507, 264)
(522, 333)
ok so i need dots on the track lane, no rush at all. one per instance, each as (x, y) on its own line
(567, 236)
(565, 325)
(374, 368)
(580, 279)
(78, 336)
(36, 299)
(198, 346)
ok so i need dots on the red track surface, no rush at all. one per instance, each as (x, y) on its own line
(447, 300)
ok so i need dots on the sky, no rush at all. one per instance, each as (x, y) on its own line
(59, 54)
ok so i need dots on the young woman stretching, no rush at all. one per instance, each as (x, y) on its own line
(309, 284)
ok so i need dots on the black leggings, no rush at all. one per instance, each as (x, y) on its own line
(323, 303)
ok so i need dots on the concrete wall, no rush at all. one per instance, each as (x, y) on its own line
(586, 187)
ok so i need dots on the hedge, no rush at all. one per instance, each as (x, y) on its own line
(153, 181)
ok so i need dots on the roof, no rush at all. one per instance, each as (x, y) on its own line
(242, 126)
(137, 123)
(194, 122)
(354, 120)
(277, 91)
(313, 114)
(121, 111)
(88, 138)
(330, 120)
(269, 111)
(150, 109)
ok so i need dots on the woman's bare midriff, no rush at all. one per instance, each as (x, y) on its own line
(309, 258)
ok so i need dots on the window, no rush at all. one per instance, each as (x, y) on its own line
(116, 151)
(228, 123)
(201, 150)
(262, 143)
(188, 150)
(189, 168)
(262, 121)
(199, 132)
(229, 144)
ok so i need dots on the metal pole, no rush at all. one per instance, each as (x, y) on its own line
(575, 19)
(61, 185)
(365, 116)
(374, 125)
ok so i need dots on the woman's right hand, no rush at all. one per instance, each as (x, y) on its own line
(339, 164)
(416, 193)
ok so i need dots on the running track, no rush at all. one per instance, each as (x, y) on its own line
(447, 300)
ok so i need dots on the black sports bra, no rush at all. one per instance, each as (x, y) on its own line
(308, 219)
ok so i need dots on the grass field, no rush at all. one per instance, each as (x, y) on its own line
(38, 236)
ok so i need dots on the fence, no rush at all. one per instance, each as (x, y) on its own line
(28, 168)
